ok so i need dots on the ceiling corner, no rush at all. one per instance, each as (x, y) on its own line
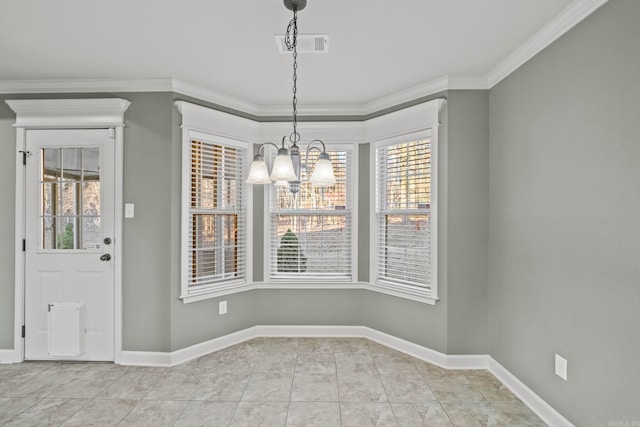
(567, 19)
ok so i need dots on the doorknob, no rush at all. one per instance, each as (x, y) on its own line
(105, 257)
(107, 240)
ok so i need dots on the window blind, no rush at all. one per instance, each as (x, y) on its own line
(216, 227)
(403, 201)
(310, 232)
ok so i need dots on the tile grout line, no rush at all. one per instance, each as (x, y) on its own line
(426, 380)
(385, 389)
(293, 378)
(338, 388)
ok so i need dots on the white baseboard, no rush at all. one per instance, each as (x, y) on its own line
(145, 358)
(9, 356)
(412, 349)
(309, 331)
(541, 408)
(216, 344)
(471, 361)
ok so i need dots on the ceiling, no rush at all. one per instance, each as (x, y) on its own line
(226, 48)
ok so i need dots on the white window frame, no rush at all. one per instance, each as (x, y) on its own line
(308, 281)
(413, 123)
(203, 124)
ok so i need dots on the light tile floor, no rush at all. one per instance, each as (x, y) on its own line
(262, 382)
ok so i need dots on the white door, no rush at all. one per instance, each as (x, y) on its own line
(69, 225)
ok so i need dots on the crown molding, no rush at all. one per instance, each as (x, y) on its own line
(85, 85)
(276, 110)
(203, 94)
(214, 97)
(566, 20)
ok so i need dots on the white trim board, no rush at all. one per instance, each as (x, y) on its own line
(541, 408)
(9, 356)
(167, 359)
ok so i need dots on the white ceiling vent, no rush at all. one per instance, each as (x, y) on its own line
(307, 43)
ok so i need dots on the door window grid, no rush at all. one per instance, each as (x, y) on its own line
(70, 198)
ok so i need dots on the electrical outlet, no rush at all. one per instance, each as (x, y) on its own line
(561, 367)
(222, 307)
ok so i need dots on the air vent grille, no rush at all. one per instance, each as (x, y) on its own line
(307, 43)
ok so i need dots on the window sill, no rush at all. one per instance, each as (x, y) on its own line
(310, 284)
(400, 291)
(218, 291)
(422, 296)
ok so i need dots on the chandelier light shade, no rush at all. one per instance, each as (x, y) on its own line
(283, 167)
(287, 165)
(322, 175)
(258, 172)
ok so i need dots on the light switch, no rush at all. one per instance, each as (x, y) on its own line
(561, 367)
(128, 210)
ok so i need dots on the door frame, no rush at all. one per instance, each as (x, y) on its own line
(67, 114)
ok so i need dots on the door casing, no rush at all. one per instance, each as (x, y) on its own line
(98, 113)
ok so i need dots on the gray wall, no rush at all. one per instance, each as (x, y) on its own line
(457, 324)
(564, 273)
(147, 252)
(156, 320)
(468, 222)
(7, 223)
(423, 324)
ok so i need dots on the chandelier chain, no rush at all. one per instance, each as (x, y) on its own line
(291, 41)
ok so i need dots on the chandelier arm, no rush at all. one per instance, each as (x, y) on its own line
(324, 148)
(311, 147)
(260, 148)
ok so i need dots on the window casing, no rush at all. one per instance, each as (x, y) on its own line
(405, 215)
(310, 234)
(214, 208)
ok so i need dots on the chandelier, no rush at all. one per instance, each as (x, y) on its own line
(286, 169)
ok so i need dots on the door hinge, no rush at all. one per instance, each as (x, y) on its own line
(24, 156)
(23, 330)
(24, 245)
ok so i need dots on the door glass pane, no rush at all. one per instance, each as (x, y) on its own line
(91, 164)
(68, 201)
(72, 163)
(48, 233)
(70, 198)
(91, 198)
(48, 198)
(52, 163)
(91, 235)
(67, 232)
